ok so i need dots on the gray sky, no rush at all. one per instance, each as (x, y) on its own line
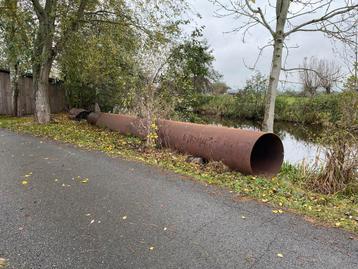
(230, 51)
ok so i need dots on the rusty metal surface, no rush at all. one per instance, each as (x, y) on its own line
(250, 152)
(93, 117)
(124, 124)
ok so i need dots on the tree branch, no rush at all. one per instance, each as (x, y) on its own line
(329, 15)
(40, 12)
(262, 16)
(74, 27)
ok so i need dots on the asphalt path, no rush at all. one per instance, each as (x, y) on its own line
(64, 207)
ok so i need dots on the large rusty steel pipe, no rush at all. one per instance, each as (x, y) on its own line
(250, 152)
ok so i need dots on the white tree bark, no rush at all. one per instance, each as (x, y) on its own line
(282, 7)
(42, 101)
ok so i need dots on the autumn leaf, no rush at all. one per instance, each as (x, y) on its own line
(3, 263)
(279, 211)
(24, 182)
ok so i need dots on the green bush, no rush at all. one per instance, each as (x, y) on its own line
(221, 105)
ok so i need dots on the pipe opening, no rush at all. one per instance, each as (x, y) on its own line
(267, 155)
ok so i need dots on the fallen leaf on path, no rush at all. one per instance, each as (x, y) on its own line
(279, 211)
(3, 263)
(84, 180)
(24, 182)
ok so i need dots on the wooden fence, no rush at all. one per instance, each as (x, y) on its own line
(26, 99)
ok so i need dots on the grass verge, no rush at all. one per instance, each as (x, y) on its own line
(286, 191)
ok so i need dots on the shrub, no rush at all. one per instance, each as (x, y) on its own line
(340, 167)
(340, 163)
(222, 105)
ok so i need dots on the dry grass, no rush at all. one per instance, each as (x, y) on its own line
(340, 164)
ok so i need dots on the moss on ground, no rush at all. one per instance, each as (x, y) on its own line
(285, 192)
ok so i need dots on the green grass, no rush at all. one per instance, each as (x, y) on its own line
(286, 191)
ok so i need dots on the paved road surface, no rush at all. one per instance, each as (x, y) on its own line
(141, 217)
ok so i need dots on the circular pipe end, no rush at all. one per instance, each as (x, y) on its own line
(267, 155)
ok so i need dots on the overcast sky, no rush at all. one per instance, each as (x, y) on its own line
(230, 52)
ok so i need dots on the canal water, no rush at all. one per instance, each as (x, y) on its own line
(297, 139)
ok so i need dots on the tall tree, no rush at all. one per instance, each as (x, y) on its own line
(59, 19)
(329, 73)
(282, 19)
(15, 32)
(191, 66)
(309, 77)
(53, 31)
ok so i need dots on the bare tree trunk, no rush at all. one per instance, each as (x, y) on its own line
(45, 50)
(42, 62)
(14, 88)
(276, 65)
(269, 116)
(42, 101)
